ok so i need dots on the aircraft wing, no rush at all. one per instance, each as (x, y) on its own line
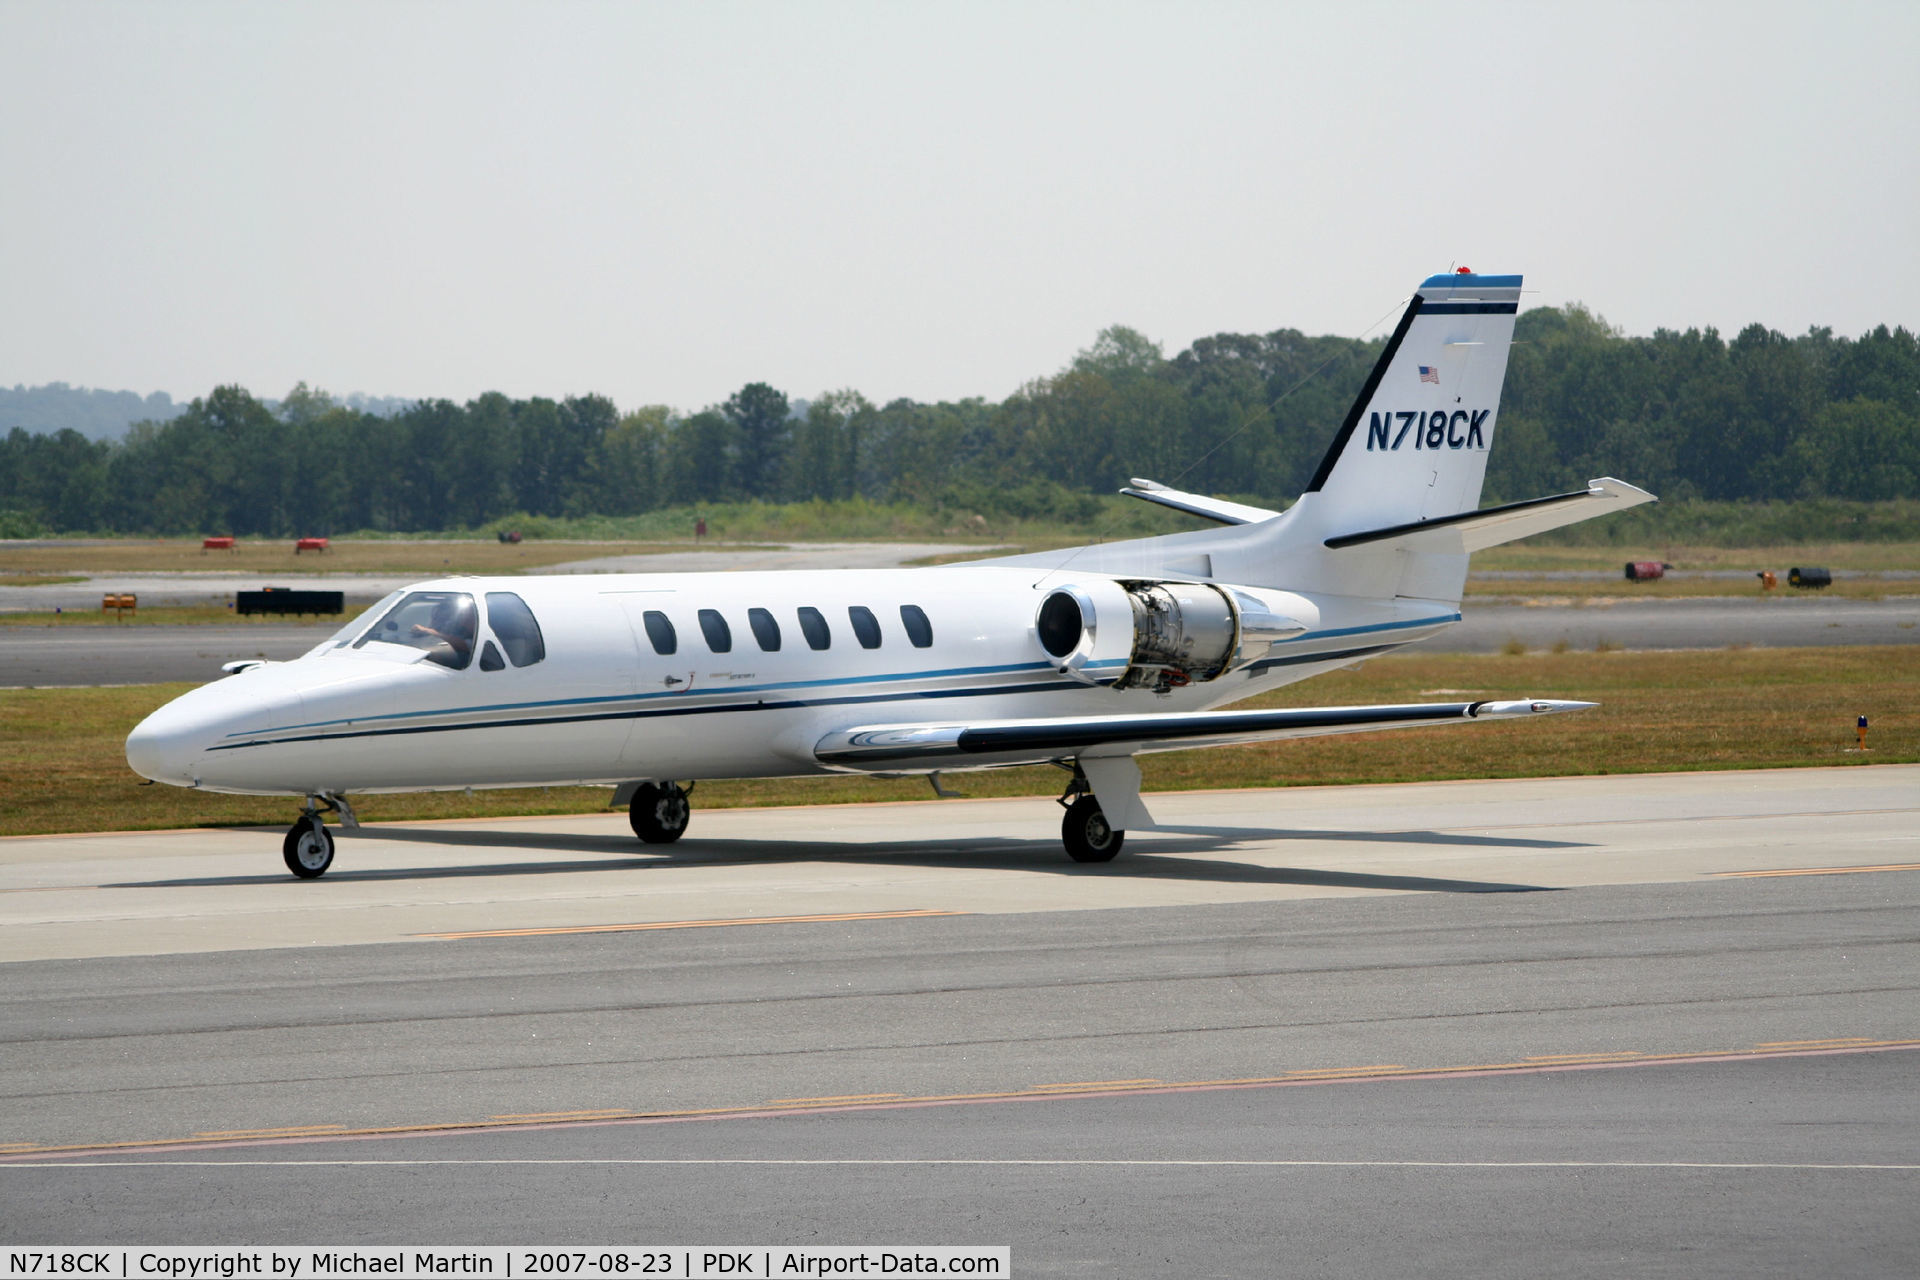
(889, 748)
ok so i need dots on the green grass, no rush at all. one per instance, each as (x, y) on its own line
(37, 579)
(174, 615)
(62, 749)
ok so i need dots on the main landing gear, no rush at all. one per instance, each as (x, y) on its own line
(308, 848)
(1085, 830)
(660, 811)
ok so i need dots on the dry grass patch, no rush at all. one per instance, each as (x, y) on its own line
(198, 615)
(277, 557)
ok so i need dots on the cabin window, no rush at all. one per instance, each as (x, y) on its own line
(765, 629)
(490, 659)
(714, 628)
(441, 622)
(866, 627)
(814, 627)
(515, 628)
(660, 632)
(919, 630)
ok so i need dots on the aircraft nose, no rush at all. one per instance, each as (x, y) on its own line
(160, 748)
(170, 745)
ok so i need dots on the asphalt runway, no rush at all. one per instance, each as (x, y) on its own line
(1564, 1026)
(362, 589)
(144, 654)
(1783, 1166)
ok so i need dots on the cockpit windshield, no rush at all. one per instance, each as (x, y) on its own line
(440, 622)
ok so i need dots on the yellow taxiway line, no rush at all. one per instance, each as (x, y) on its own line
(18, 1151)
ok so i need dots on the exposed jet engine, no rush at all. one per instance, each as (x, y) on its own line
(1164, 635)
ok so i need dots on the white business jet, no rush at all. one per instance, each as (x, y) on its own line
(1080, 658)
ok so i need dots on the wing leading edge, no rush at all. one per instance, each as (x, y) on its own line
(887, 748)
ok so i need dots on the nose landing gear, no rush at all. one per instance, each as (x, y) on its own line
(308, 848)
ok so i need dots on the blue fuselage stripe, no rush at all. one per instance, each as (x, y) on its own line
(757, 703)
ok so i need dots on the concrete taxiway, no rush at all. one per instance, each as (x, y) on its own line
(76, 896)
(1573, 1025)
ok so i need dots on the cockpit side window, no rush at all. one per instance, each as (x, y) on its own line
(441, 622)
(515, 627)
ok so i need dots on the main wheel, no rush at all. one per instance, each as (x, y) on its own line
(308, 848)
(1086, 834)
(660, 814)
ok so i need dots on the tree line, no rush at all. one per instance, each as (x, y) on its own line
(1685, 414)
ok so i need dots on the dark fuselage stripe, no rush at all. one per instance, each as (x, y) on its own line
(761, 704)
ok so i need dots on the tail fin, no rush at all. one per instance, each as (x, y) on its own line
(1394, 508)
(1414, 445)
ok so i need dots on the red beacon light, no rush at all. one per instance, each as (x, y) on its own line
(1463, 271)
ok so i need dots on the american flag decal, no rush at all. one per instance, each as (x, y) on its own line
(1429, 374)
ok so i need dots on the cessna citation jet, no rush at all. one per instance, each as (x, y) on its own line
(1081, 658)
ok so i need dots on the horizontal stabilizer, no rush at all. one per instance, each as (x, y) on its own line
(1477, 530)
(893, 747)
(1197, 504)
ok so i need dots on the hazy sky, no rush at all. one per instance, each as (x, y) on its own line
(663, 202)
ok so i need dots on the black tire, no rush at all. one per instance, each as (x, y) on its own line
(1086, 834)
(308, 849)
(659, 814)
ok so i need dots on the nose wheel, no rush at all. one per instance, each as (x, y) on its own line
(659, 812)
(308, 847)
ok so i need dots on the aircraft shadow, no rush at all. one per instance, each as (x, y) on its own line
(1175, 860)
(1376, 837)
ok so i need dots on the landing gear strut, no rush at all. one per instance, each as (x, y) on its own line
(660, 811)
(1085, 830)
(308, 848)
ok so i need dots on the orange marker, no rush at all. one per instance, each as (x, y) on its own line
(1861, 729)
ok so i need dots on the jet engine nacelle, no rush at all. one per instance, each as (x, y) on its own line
(1163, 635)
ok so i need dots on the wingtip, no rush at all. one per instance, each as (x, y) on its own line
(1531, 707)
(1631, 495)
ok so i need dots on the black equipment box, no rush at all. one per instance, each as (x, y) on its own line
(280, 600)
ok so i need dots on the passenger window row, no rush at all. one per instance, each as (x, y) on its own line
(766, 628)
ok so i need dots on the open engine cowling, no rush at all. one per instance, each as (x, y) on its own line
(1161, 635)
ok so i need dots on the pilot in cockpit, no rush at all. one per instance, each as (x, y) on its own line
(452, 624)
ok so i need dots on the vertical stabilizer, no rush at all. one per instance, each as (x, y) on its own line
(1414, 445)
